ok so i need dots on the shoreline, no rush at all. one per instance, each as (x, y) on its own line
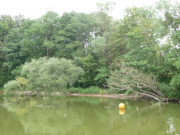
(114, 96)
(117, 96)
(31, 94)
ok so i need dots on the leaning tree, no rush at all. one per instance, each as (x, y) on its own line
(128, 78)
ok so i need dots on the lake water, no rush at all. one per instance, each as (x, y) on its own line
(87, 116)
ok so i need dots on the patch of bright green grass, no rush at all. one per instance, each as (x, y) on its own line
(90, 90)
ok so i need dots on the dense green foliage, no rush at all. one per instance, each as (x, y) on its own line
(146, 39)
(89, 90)
(45, 74)
(12, 86)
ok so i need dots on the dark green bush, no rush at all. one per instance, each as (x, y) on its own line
(90, 90)
(168, 91)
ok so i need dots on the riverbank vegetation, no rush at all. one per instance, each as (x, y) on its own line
(138, 54)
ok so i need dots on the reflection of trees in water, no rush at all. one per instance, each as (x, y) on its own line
(39, 117)
(92, 116)
(9, 123)
(171, 128)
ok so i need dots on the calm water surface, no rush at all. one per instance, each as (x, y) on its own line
(87, 116)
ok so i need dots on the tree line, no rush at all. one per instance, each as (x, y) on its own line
(146, 40)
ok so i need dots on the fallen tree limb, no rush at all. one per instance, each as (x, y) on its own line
(128, 78)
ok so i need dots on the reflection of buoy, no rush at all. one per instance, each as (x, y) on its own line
(121, 111)
(121, 106)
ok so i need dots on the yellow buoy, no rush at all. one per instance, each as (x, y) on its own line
(121, 106)
(121, 111)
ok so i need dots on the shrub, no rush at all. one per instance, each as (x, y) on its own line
(128, 92)
(168, 91)
(90, 90)
(50, 74)
(23, 81)
(12, 86)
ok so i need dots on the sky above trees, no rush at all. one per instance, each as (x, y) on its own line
(36, 8)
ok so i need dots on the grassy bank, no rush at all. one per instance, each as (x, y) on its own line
(91, 90)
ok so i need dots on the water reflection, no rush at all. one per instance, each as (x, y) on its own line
(171, 128)
(9, 123)
(121, 111)
(90, 116)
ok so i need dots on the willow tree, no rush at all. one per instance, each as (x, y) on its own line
(51, 74)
